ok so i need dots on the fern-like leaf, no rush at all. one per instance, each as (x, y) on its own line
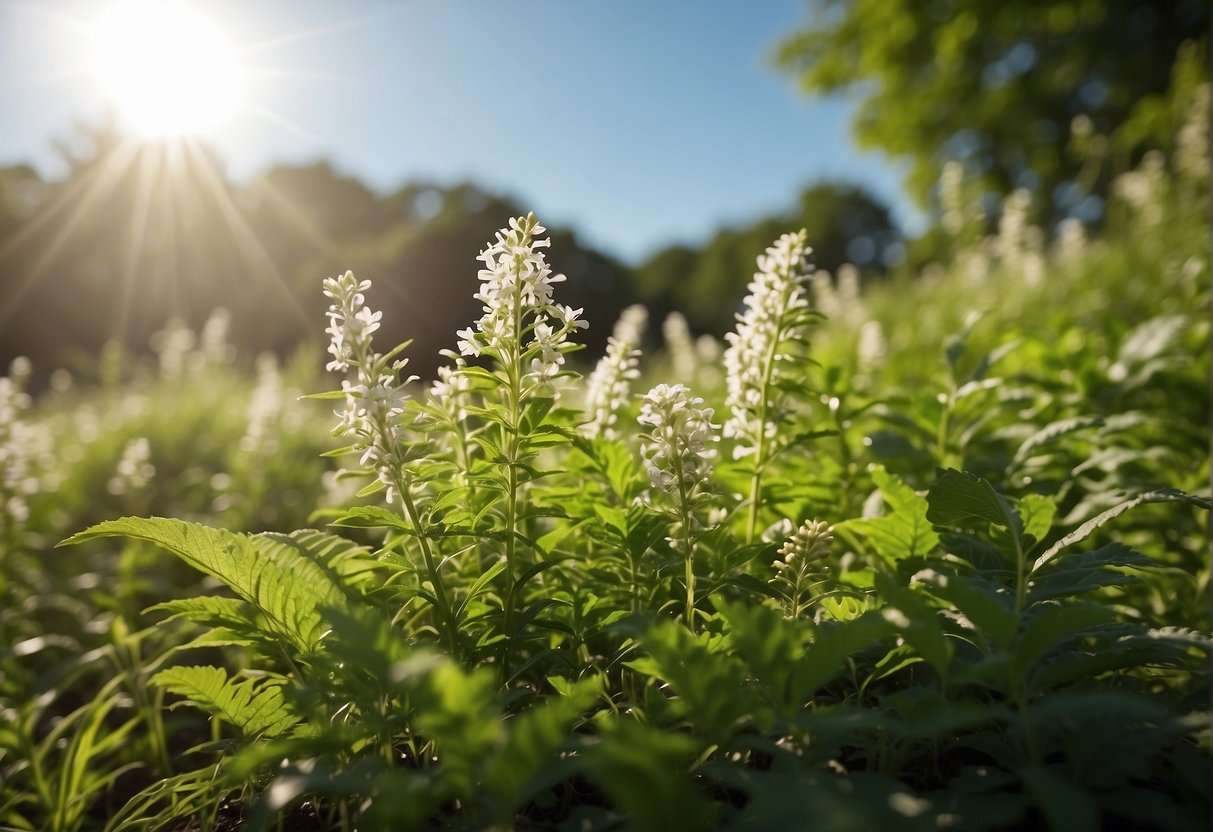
(256, 708)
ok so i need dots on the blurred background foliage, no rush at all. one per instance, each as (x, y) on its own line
(1052, 103)
(1056, 98)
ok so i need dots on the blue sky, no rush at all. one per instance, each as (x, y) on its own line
(637, 123)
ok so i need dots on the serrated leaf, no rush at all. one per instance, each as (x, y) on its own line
(1088, 528)
(905, 531)
(1052, 432)
(957, 498)
(1076, 574)
(255, 707)
(990, 610)
(1037, 512)
(1048, 627)
(276, 576)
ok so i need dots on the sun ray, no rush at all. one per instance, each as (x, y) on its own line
(147, 170)
(281, 121)
(250, 247)
(110, 170)
(325, 30)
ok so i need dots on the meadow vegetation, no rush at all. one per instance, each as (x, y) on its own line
(929, 553)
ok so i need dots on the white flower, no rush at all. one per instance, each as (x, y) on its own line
(134, 470)
(678, 454)
(450, 390)
(610, 384)
(16, 441)
(373, 415)
(516, 293)
(770, 320)
(678, 343)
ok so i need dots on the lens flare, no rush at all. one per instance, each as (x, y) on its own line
(167, 69)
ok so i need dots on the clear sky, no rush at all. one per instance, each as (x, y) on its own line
(637, 123)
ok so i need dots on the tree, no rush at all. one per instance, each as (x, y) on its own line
(999, 84)
(845, 224)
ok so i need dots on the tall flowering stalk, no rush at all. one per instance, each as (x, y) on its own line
(610, 384)
(678, 452)
(775, 322)
(526, 334)
(374, 416)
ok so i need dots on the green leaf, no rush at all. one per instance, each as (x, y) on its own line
(373, 517)
(515, 772)
(1077, 574)
(1054, 431)
(903, 533)
(1038, 512)
(990, 610)
(1064, 804)
(957, 498)
(277, 576)
(833, 643)
(1051, 626)
(917, 623)
(255, 707)
(1088, 528)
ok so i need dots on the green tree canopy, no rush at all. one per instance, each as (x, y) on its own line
(999, 84)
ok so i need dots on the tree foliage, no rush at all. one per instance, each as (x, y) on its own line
(998, 85)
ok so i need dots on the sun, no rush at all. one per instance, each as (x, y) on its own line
(167, 69)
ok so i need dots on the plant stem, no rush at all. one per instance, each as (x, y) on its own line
(510, 444)
(760, 455)
(687, 542)
(431, 567)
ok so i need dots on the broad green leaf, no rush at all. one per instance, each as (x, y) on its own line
(1038, 512)
(905, 531)
(1076, 574)
(643, 771)
(917, 623)
(833, 642)
(698, 675)
(990, 609)
(957, 498)
(1050, 626)
(516, 770)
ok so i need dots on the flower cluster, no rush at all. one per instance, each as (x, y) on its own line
(264, 408)
(16, 483)
(810, 543)
(134, 470)
(516, 290)
(773, 317)
(797, 564)
(373, 416)
(452, 388)
(678, 452)
(610, 384)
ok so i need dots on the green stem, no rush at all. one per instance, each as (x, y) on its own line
(687, 542)
(760, 455)
(431, 567)
(1021, 577)
(511, 446)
